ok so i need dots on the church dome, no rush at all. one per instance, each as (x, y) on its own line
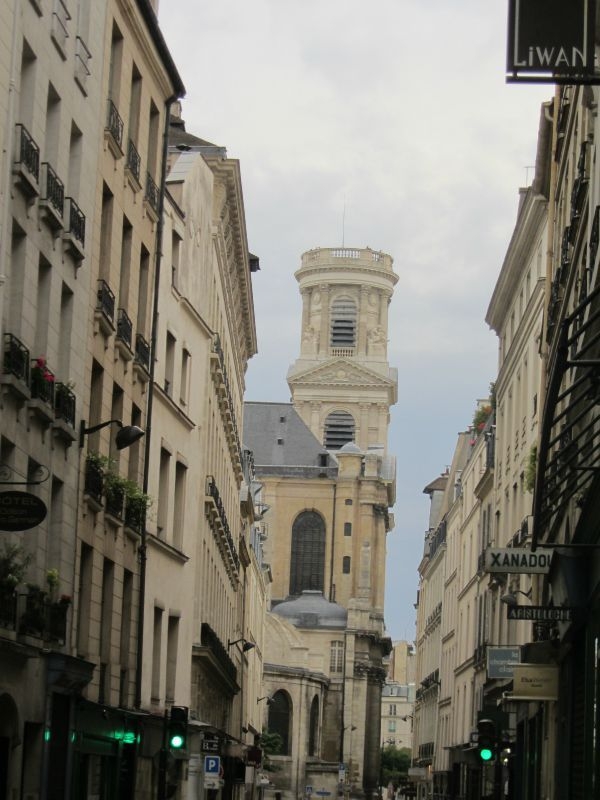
(351, 447)
(312, 610)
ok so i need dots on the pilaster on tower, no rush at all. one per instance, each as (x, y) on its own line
(341, 384)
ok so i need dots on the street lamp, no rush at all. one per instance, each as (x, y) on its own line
(510, 598)
(127, 435)
(246, 645)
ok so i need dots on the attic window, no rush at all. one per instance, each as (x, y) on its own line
(279, 440)
(282, 419)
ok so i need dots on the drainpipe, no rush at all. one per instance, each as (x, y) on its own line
(7, 157)
(143, 548)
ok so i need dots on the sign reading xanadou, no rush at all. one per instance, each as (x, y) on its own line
(551, 41)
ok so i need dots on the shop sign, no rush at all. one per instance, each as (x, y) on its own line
(517, 560)
(210, 744)
(551, 41)
(535, 682)
(20, 511)
(417, 772)
(540, 613)
(501, 660)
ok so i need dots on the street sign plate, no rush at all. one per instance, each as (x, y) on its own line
(212, 765)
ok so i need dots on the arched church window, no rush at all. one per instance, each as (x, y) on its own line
(339, 430)
(308, 553)
(313, 733)
(280, 718)
(343, 323)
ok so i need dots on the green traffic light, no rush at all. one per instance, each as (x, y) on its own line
(486, 754)
(176, 741)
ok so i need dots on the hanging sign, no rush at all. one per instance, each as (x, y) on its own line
(551, 41)
(540, 613)
(20, 511)
(516, 560)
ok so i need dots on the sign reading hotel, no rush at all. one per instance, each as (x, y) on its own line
(535, 682)
(515, 560)
(551, 41)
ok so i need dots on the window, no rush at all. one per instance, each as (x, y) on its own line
(347, 529)
(175, 258)
(125, 643)
(172, 639)
(185, 376)
(280, 717)
(343, 323)
(179, 504)
(346, 565)
(169, 363)
(85, 599)
(392, 726)
(156, 652)
(392, 710)
(336, 658)
(313, 732)
(339, 430)
(163, 492)
(308, 553)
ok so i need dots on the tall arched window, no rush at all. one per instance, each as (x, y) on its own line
(343, 323)
(313, 733)
(339, 430)
(280, 719)
(308, 553)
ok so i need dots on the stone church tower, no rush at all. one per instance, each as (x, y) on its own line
(328, 483)
(342, 385)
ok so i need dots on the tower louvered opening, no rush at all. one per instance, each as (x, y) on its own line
(343, 323)
(339, 430)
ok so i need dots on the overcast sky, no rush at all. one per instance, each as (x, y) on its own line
(398, 112)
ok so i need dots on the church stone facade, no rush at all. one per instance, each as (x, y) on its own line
(329, 483)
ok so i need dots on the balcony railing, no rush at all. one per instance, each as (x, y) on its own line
(115, 499)
(133, 160)
(64, 403)
(142, 352)
(28, 153)
(135, 513)
(75, 219)
(152, 193)
(16, 358)
(82, 60)
(42, 382)
(106, 300)
(53, 190)
(124, 327)
(114, 124)
(94, 480)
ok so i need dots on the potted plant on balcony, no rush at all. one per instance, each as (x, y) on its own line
(14, 562)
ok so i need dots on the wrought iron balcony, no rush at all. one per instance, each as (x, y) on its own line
(52, 194)
(64, 403)
(142, 352)
(115, 500)
(133, 160)
(105, 301)
(135, 513)
(94, 480)
(42, 617)
(114, 125)
(124, 327)
(27, 161)
(74, 234)
(152, 194)
(42, 382)
(16, 358)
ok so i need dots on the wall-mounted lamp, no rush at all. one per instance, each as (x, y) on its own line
(246, 645)
(407, 717)
(269, 700)
(127, 435)
(510, 598)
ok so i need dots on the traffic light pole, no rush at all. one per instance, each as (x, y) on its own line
(161, 793)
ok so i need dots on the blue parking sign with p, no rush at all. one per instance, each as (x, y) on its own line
(212, 765)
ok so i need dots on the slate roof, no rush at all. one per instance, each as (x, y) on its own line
(278, 437)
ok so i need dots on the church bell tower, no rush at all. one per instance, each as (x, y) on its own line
(342, 385)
